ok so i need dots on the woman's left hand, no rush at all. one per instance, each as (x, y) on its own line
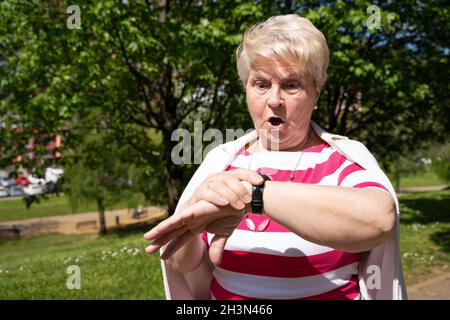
(180, 228)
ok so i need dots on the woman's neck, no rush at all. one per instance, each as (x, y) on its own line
(311, 140)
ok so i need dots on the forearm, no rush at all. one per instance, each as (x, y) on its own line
(348, 219)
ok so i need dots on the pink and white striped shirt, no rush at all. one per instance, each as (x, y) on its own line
(276, 263)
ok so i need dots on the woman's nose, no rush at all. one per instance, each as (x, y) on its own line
(275, 99)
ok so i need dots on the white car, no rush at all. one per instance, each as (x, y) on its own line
(3, 191)
(33, 189)
(53, 174)
(5, 182)
(16, 191)
(36, 180)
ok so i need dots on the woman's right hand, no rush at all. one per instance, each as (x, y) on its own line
(226, 188)
(180, 228)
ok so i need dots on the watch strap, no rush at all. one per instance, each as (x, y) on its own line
(257, 195)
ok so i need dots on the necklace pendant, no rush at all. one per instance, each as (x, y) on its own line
(261, 226)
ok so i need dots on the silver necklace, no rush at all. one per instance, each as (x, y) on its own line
(292, 174)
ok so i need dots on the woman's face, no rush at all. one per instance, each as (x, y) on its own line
(280, 100)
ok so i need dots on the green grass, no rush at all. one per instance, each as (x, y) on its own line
(115, 266)
(425, 232)
(112, 267)
(427, 178)
(422, 179)
(15, 209)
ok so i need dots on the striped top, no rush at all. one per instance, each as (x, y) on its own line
(276, 263)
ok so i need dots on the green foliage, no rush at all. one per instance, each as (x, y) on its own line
(387, 87)
(147, 70)
(441, 162)
(97, 171)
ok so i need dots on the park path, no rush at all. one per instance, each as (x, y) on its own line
(435, 288)
(424, 189)
(78, 223)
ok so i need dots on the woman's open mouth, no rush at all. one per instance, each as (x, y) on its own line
(276, 121)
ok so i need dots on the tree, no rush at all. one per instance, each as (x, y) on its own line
(154, 66)
(99, 170)
(151, 66)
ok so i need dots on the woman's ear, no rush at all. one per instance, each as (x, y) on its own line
(317, 94)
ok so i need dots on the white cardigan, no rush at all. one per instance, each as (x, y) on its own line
(380, 271)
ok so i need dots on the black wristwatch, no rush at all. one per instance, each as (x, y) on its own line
(257, 195)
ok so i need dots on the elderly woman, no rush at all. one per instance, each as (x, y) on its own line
(288, 211)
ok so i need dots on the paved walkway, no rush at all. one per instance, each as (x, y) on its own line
(425, 189)
(78, 223)
(437, 288)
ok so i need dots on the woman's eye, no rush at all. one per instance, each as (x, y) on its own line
(260, 85)
(293, 85)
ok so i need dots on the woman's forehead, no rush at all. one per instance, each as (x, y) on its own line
(277, 73)
(275, 68)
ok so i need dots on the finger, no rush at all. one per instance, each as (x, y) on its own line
(227, 192)
(174, 222)
(161, 241)
(248, 175)
(169, 224)
(216, 248)
(185, 217)
(176, 244)
(238, 187)
(212, 196)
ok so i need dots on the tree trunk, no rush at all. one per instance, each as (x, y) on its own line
(173, 174)
(101, 217)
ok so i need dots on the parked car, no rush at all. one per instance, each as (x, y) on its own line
(35, 180)
(22, 181)
(5, 182)
(3, 191)
(33, 189)
(16, 191)
(53, 174)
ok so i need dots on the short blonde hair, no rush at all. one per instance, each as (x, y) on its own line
(289, 37)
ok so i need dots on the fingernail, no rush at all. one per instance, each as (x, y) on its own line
(151, 248)
(240, 205)
(247, 198)
(223, 201)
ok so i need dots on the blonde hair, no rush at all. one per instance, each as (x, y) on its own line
(287, 37)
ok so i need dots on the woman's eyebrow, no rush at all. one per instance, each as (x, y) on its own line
(259, 76)
(291, 77)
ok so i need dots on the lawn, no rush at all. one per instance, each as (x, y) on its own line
(425, 232)
(15, 209)
(112, 267)
(423, 179)
(115, 266)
